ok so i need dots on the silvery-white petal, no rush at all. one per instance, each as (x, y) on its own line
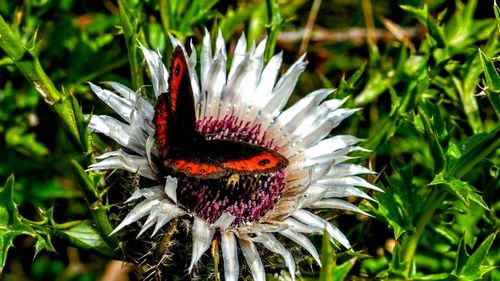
(151, 150)
(159, 74)
(239, 55)
(142, 115)
(119, 132)
(253, 260)
(128, 94)
(150, 221)
(202, 237)
(166, 212)
(267, 80)
(175, 42)
(310, 172)
(120, 105)
(171, 188)
(326, 146)
(230, 256)
(289, 120)
(311, 135)
(230, 92)
(346, 150)
(138, 125)
(313, 194)
(195, 84)
(315, 221)
(147, 193)
(220, 45)
(206, 58)
(224, 221)
(284, 87)
(344, 191)
(298, 226)
(247, 94)
(337, 204)
(302, 241)
(273, 245)
(348, 181)
(121, 160)
(212, 88)
(139, 211)
(344, 170)
(261, 227)
(121, 89)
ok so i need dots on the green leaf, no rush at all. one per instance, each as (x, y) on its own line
(11, 225)
(436, 32)
(81, 124)
(392, 209)
(476, 149)
(461, 256)
(490, 72)
(462, 190)
(346, 87)
(470, 267)
(43, 243)
(377, 84)
(435, 147)
(86, 236)
(420, 14)
(340, 271)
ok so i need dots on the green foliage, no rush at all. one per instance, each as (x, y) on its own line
(469, 267)
(428, 86)
(79, 233)
(12, 224)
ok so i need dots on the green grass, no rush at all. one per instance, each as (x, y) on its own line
(427, 83)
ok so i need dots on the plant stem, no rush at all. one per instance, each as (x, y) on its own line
(433, 202)
(131, 41)
(94, 200)
(27, 61)
(273, 27)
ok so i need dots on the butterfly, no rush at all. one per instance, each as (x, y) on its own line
(186, 151)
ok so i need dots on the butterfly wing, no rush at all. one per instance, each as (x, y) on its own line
(174, 112)
(216, 158)
(186, 151)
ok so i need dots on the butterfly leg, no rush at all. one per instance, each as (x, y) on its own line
(233, 182)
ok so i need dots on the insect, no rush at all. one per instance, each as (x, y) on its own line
(185, 150)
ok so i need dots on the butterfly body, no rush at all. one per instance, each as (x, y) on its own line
(186, 151)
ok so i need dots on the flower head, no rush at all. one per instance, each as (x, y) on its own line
(246, 210)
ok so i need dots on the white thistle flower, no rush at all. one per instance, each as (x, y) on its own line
(246, 105)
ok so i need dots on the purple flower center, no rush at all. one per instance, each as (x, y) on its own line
(247, 197)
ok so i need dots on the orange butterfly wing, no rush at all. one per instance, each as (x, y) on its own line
(216, 158)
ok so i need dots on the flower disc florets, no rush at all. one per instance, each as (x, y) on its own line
(247, 197)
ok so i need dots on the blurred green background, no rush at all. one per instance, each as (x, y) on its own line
(424, 74)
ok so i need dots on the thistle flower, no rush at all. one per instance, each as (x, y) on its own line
(247, 105)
